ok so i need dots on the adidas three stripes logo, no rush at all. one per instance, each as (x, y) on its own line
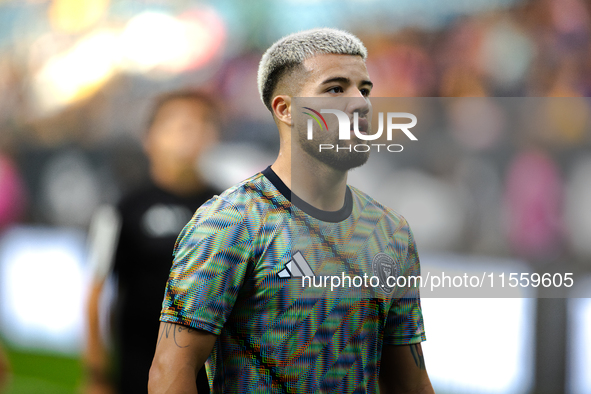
(297, 267)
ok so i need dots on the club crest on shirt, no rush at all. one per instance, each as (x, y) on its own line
(384, 266)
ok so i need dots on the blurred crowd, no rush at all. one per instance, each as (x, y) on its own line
(57, 166)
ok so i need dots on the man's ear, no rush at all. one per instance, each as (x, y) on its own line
(281, 106)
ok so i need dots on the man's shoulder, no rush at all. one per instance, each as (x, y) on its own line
(255, 193)
(369, 203)
(237, 213)
(241, 190)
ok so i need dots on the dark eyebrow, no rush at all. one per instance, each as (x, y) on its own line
(336, 79)
(346, 81)
(370, 83)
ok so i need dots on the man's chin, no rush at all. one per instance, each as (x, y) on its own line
(339, 157)
(347, 161)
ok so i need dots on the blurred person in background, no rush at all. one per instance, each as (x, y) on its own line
(135, 240)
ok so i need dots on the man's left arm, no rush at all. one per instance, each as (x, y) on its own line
(402, 370)
(402, 366)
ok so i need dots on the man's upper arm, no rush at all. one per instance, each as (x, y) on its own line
(212, 257)
(402, 366)
(180, 352)
(402, 370)
(405, 317)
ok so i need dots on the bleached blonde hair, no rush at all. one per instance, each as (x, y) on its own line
(290, 52)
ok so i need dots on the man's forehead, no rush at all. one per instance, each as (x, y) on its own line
(329, 61)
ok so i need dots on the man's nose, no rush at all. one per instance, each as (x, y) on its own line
(358, 103)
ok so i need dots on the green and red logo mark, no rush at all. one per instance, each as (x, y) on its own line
(316, 119)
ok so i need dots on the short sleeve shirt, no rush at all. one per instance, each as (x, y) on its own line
(247, 268)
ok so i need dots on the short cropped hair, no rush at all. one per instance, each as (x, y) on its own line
(213, 112)
(290, 52)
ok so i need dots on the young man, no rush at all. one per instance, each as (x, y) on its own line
(183, 125)
(231, 294)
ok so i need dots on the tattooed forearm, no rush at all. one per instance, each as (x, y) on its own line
(417, 353)
(170, 330)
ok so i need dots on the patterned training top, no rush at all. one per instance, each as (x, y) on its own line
(259, 267)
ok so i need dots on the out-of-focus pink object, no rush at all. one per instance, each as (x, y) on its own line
(12, 194)
(533, 202)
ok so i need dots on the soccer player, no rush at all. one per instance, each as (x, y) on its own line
(231, 299)
(135, 240)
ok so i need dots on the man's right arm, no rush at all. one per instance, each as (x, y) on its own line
(211, 259)
(180, 352)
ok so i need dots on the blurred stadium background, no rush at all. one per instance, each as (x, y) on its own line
(76, 82)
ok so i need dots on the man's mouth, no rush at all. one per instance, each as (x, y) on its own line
(363, 126)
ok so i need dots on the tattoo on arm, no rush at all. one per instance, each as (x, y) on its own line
(170, 330)
(417, 355)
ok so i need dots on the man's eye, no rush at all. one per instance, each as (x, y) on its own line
(335, 89)
(365, 92)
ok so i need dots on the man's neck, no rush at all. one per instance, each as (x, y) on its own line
(312, 181)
